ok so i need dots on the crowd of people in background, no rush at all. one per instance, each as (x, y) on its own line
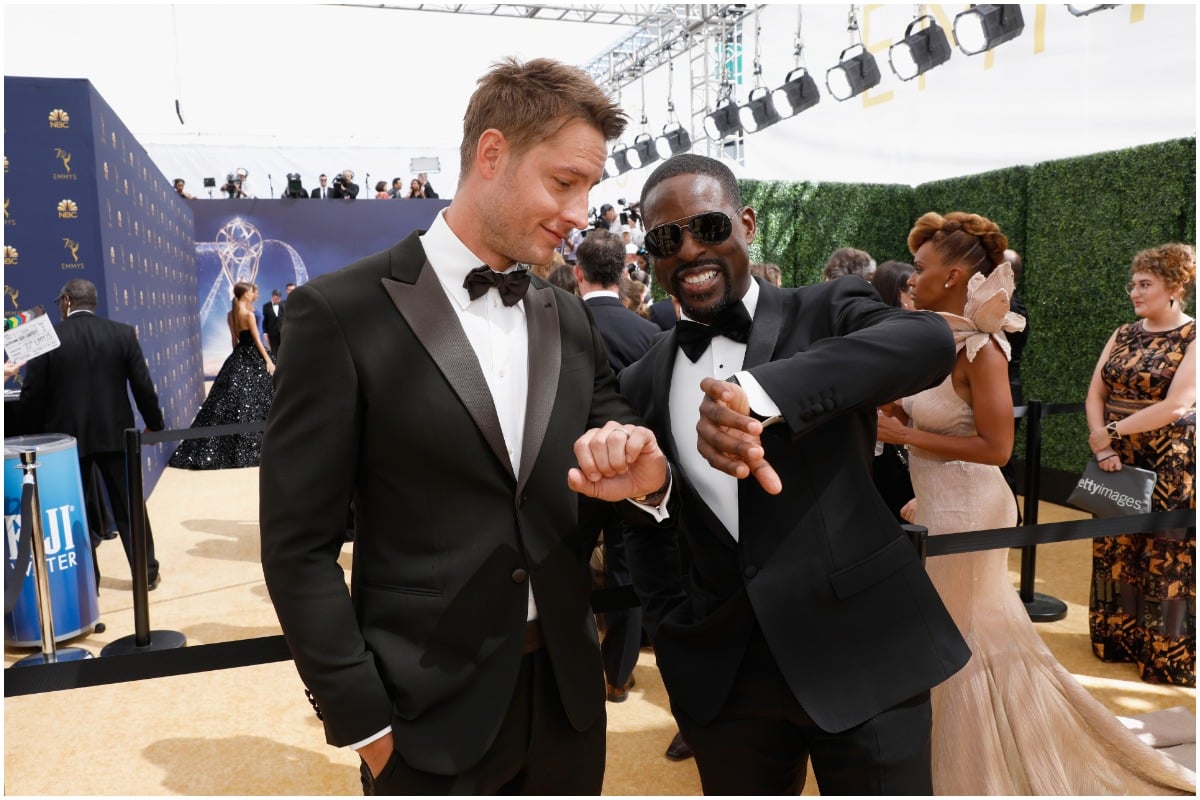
(342, 187)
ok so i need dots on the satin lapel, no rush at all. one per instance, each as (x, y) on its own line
(663, 367)
(545, 363)
(427, 311)
(764, 333)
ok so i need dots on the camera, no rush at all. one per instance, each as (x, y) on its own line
(339, 179)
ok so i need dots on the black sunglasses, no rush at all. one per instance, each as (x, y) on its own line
(709, 227)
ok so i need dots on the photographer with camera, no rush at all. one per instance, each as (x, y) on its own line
(295, 189)
(234, 185)
(344, 187)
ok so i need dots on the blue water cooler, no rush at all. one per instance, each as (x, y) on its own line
(69, 567)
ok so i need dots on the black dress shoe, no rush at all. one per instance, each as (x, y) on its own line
(619, 694)
(679, 749)
(155, 582)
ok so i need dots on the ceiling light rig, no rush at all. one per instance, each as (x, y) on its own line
(759, 111)
(674, 139)
(919, 51)
(852, 75)
(1083, 11)
(799, 90)
(723, 120)
(983, 27)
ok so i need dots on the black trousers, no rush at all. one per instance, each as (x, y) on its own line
(623, 626)
(761, 741)
(536, 752)
(110, 468)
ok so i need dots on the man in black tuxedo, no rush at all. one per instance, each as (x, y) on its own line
(273, 321)
(664, 313)
(807, 625)
(458, 411)
(323, 191)
(627, 337)
(79, 389)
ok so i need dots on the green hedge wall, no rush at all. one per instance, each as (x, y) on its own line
(1076, 222)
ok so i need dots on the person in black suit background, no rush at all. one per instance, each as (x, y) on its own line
(807, 626)
(323, 191)
(272, 314)
(426, 187)
(600, 261)
(466, 658)
(79, 389)
(664, 313)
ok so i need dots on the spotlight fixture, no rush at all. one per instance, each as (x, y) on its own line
(854, 75)
(723, 121)
(620, 160)
(1083, 11)
(674, 140)
(799, 92)
(644, 151)
(982, 27)
(759, 111)
(919, 51)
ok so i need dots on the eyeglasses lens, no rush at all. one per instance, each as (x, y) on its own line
(711, 227)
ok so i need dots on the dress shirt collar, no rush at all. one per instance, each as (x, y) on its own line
(602, 293)
(452, 260)
(749, 300)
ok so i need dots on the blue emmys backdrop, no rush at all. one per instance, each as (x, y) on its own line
(82, 199)
(273, 242)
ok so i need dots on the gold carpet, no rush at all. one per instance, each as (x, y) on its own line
(249, 731)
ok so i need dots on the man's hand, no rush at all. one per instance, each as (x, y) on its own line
(377, 753)
(729, 438)
(617, 462)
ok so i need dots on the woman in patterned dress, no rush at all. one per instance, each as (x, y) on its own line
(1141, 411)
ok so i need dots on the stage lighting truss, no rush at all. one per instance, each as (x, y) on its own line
(798, 93)
(643, 151)
(982, 27)
(919, 51)
(674, 140)
(1083, 11)
(759, 111)
(852, 75)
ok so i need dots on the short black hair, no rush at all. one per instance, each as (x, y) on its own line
(601, 258)
(607, 207)
(692, 164)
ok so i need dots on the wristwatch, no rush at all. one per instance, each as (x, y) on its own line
(655, 497)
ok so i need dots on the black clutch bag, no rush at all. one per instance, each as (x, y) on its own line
(1113, 494)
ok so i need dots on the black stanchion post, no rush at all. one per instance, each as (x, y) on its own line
(1040, 607)
(143, 638)
(50, 654)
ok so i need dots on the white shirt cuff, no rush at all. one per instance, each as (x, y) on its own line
(369, 739)
(659, 512)
(760, 402)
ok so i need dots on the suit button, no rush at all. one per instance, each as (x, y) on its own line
(519, 575)
(750, 571)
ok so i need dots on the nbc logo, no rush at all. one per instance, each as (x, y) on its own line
(10, 256)
(67, 209)
(60, 119)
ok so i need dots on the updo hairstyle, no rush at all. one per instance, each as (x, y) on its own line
(973, 241)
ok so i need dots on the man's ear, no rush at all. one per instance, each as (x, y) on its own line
(749, 222)
(490, 152)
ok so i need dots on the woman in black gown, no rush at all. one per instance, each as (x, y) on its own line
(242, 393)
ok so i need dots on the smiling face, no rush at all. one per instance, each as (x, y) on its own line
(530, 201)
(706, 278)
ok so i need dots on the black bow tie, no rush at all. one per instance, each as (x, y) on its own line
(694, 337)
(511, 285)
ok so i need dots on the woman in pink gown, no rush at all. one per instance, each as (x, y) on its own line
(1013, 721)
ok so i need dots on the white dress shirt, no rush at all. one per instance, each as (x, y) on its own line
(724, 357)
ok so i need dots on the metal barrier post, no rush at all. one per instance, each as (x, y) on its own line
(50, 653)
(1040, 607)
(143, 638)
(919, 536)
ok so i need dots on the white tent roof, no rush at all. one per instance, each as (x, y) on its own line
(318, 88)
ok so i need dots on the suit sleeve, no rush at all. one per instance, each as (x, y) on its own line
(33, 392)
(306, 481)
(141, 384)
(865, 353)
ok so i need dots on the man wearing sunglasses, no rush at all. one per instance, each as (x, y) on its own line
(807, 626)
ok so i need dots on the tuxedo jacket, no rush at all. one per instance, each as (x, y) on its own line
(316, 193)
(662, 314)
(79, 388)
(823, 569)
(380, 400)
(627, 336)
(272, 323)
